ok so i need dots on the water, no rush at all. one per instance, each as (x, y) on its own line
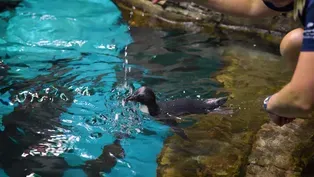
(72, 63)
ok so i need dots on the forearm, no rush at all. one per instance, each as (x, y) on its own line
(240, 8)
(289, 102)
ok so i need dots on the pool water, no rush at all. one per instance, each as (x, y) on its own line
(71, 63)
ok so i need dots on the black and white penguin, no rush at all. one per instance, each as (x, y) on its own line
(168, 111)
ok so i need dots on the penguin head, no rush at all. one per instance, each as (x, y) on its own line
(143, 95)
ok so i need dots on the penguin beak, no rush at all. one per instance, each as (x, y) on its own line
(130, 98)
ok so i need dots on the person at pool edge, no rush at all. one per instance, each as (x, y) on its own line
(296, 98)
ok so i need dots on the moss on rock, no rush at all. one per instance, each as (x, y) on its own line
(221, 143)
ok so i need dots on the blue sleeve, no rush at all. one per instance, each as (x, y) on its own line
(286, 8)
(308, 35)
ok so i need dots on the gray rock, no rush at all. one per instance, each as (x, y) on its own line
(194, 17)
(281, 151)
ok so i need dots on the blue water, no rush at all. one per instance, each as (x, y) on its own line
(74, 52)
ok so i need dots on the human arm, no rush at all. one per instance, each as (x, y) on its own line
(296, 99)
(240, 8)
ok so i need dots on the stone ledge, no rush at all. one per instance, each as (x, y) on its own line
(193, 17)
(281, 151)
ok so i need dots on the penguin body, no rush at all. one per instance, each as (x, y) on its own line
(168, 111)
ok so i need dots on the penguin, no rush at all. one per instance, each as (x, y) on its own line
(168, 111)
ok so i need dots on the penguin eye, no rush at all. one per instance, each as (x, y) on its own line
(141, 98)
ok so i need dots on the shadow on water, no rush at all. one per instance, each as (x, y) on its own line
(175, 64)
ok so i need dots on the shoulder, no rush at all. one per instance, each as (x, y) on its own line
(308, 35)
(286, 8)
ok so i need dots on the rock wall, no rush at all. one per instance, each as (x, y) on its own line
(193, 17)
(281, 151)
(243, 143)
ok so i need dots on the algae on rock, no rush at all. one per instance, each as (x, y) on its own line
(221, 143)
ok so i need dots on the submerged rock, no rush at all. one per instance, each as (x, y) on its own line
(214, 150)
(221, 143)
(244, 143)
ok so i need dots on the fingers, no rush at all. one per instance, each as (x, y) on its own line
(285, 120)
(275, 119)
(280, 121)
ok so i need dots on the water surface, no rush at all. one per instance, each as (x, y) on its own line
(68, 75)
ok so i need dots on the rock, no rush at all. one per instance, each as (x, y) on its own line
(221, 143)
(8, 4)
(215, 151)
(283, 151)
(193, 17)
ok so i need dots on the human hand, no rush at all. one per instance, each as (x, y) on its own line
(155, 1)
(278, 120)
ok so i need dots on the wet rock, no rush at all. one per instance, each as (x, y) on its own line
(276, 151)
(195, 17)
(214, 151)
(8, 4)
(283, 151)
(221, 143)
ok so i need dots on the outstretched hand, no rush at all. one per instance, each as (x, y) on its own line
(278, 120)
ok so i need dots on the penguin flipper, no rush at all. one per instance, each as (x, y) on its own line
(216, 102)
(179, 131)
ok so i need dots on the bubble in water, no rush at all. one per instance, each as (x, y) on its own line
(111, 46)
(116, 117)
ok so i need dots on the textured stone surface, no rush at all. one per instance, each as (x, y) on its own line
(283, 151)
(243, 143)
(193, 17)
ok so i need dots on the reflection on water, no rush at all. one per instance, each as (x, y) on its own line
(65, 72)
(174, 64)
